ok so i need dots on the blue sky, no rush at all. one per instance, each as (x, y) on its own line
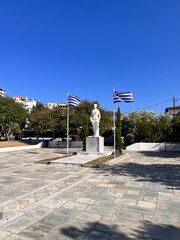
(86, 47)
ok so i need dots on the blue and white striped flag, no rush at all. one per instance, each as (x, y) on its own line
(73, 101)
(122, 97)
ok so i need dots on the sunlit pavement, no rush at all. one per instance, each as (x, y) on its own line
(135, 196)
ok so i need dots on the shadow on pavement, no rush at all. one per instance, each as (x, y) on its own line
(99, 231)
(157, 232)
(167, 174)
(160, 154)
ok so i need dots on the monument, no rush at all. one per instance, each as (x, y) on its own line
(95, 119)
(95, 143)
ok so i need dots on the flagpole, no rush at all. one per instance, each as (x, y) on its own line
(67, 126)
(114, 128)
(120, 97)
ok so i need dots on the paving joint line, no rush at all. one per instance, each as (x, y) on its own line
(118, 159)
(42, 201)
(39, 189)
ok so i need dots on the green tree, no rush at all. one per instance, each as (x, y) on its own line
(85, 131)
(80, 118)
(162, 128)
(12, 116)
(39, 107)
(106, 122)
(79, 121)
(149, 127)
(118, 132)
(41, 121)
(84, 109)
(59, 115)
(143, 125)
(175, 124)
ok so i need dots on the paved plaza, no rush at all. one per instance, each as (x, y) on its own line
(135, 196)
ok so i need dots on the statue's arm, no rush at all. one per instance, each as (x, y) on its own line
(91, 117)
(99, 116)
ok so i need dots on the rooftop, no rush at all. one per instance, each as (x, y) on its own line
(175, 107)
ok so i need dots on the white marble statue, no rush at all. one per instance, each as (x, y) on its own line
(95, 119)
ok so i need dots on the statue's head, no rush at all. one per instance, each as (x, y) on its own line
(95, 105)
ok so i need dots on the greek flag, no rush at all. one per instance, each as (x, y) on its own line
(73, 101)
(122, 97)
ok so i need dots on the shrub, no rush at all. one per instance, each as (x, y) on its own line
(129, 139)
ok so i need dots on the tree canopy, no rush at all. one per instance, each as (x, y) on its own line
(149, 127)
(41, 120)
(137, 126)
(12, 117)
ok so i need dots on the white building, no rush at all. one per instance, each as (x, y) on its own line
(2, 92)
(26, 102)
(52, 105)
(173, 110)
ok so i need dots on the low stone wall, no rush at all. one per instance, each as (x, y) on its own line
(76, 144)
(172, 147)
(62, 144)
(161, 147)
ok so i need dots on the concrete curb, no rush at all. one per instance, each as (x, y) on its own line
(11, 149)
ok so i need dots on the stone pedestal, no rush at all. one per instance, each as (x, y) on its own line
(94, 145)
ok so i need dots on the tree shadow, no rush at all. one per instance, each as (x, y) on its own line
(146, 231)
(157, 232)
(164, 154)
(94, 231)
(167, 174)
